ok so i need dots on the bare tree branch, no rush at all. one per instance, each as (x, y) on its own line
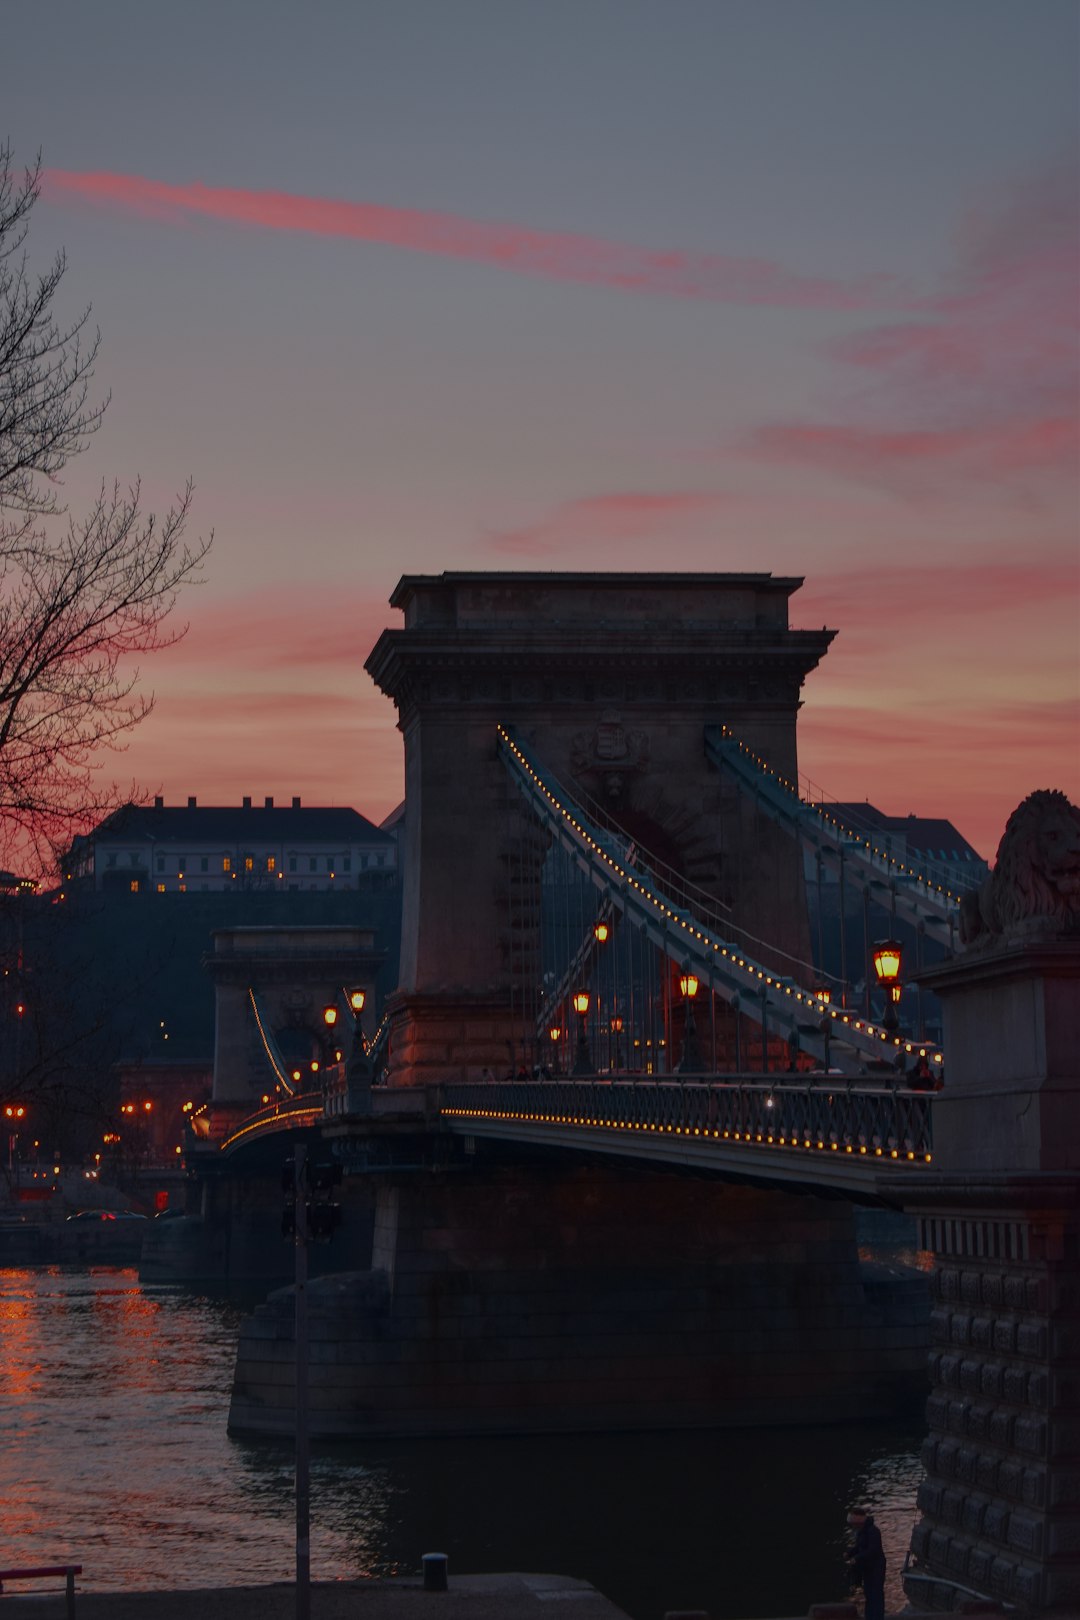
(79, 598)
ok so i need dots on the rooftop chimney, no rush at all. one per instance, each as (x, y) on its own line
(268, 803)
(159, 802)
(296, 801)
(247, 803)
(191, 801)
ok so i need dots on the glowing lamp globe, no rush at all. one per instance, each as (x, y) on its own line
(581, 1003)
(356, 1000)
(888, 958)
(688, 985)
(601, 932)
(330, 1015)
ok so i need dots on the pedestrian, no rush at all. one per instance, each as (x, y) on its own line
(866, 1561)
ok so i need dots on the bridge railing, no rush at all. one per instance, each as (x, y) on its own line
(890, 1126)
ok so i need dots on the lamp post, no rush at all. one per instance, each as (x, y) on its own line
(888, 960)
(554, 1036)
(601, 932)
(583, 1063)
(616, 1027)
(358, 1076)
(823, 997)
(690, 1062)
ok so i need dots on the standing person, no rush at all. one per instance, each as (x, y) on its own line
(867, 1562)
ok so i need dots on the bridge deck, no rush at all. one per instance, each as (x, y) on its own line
(841, 1139)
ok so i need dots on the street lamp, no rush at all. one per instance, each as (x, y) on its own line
(888, 960)
(689, 984)
(823, 997)
(583, 1063)
(601, 932)
(358, 1069)
(555, 1036)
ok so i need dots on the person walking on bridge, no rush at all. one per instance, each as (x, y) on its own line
(867, 1562)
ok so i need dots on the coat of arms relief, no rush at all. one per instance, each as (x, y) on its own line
(611, 752)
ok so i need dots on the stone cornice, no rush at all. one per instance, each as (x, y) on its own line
(401, 657)
(1018, 958)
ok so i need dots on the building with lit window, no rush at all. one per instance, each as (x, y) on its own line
(169, 849)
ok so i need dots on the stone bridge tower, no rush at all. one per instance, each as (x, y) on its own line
(610, 679)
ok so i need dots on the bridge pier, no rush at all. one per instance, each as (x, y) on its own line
(512, 1292)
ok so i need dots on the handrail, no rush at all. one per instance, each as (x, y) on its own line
(915, 891)
(886, 1127)
(45, 1572)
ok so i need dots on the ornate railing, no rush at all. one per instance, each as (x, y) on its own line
(885, 1125)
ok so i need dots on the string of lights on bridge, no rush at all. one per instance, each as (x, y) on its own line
(744, 964)
(819, 809)
(747, 1138)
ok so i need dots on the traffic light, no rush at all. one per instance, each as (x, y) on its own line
(323, 1221)
(323, 1178)
(323, 1215)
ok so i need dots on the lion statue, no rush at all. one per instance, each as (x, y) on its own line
(1034, 888)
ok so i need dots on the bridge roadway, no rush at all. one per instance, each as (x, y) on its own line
(839, 1137)
(811, 1132)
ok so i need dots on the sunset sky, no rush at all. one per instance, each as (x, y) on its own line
(783, 285)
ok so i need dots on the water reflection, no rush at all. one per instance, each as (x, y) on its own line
(116, 1456)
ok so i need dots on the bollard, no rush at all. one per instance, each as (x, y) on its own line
(434, 1567)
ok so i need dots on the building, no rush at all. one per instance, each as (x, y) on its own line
(929, 843)
(168, 849)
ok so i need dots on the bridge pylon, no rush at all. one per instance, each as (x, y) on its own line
(611, 680)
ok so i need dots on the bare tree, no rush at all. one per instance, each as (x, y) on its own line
(80, 598)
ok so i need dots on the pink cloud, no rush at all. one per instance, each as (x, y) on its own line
(554, 255)
(605, 520)
(298, 626)
(929, 595)
(983, 385)
(993, 451)
(978, 764)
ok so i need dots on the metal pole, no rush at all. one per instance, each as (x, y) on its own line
(303, 1482)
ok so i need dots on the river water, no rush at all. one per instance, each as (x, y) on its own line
(115, 1456)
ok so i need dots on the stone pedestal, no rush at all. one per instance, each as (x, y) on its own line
(1001, 1214)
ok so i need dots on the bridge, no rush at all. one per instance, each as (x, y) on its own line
(606, 1141)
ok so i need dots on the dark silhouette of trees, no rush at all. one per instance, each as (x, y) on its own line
(80, 597)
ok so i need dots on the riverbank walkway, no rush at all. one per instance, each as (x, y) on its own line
(477, 1597)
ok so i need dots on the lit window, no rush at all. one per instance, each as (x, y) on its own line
(161, 888)
(134, 885)
(183, 888)
(249, 863)
(271, 863)
(226, 863)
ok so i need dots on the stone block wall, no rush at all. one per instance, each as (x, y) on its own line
(1001, 1499)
